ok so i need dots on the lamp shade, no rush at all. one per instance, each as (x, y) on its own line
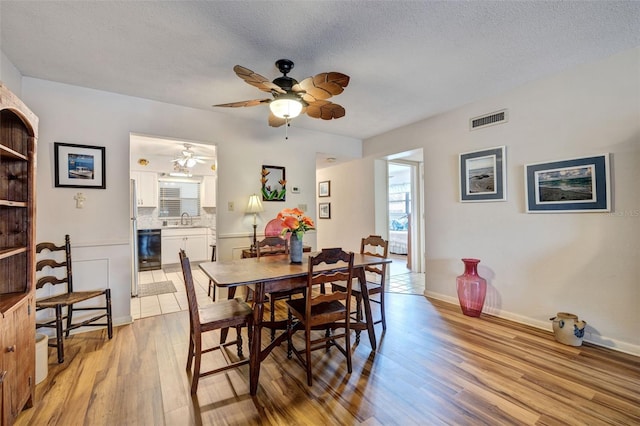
(286, 107)
(255, 205)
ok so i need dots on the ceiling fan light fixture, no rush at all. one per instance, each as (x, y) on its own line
(190, 162)
(286, 106)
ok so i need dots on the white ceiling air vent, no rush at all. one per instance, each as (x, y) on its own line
(497, 117)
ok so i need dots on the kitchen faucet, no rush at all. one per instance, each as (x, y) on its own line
(188, 221)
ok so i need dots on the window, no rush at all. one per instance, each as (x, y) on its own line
(177, 197)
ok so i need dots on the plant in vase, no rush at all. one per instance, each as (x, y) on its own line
(295, 222)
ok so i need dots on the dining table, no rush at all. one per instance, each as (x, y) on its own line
(271, 274)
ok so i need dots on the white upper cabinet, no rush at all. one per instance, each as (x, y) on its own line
(147, 188)
(209, 191)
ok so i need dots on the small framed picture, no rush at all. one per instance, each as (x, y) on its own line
(79, 166)
(483, 175)
(324, 210)
(324, 188)
(575, 185)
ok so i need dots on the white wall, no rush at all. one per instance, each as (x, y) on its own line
(84, 116)
(352, 205)
(536, 264)
(10, 75)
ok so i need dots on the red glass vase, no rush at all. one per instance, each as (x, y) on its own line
(472, 289)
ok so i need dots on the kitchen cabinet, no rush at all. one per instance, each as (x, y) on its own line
(209, 191)
(146, 188)
(192, 240)
(18, 137)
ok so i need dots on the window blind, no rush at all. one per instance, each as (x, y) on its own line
(178, 197)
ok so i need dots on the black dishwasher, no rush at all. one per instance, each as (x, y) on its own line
(149, 249)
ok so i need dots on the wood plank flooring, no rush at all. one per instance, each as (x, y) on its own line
(434, 366)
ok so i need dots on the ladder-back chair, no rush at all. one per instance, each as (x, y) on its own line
(222, 314)
(373, 245)
(270, 246)
(318, 311)
(68, 298)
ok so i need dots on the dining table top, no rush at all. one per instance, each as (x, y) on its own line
(237, 272)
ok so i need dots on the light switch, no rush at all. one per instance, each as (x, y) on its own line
(230, 206)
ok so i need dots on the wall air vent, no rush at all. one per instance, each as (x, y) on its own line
(497, 117)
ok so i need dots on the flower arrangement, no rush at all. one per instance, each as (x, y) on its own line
(294, 221)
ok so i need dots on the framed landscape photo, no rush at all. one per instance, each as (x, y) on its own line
(324, 210)
(324, 189)
(574, 185)
(483, 175)
(79, 166)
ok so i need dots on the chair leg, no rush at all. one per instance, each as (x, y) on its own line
(289, 334)
(212, 291)
(383, 318)
(273, 316)
(196, 365)
(190, 353)
(347, 347)
(307, 337)
(358, 315)
(59, 340)
(69, 319)
(107, 295)
(239, 340)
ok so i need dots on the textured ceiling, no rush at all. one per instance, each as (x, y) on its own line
(407, 60)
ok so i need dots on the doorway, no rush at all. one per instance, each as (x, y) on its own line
(403, 208)
(173, 187)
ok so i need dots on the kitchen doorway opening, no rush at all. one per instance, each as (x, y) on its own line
(172, 205)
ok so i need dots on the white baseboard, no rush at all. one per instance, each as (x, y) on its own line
(592, 338)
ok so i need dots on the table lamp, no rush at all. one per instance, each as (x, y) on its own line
(255, 207)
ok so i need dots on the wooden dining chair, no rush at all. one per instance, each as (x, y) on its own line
(52, 259)
(373, 245)
(318, 311)
(222, 314)
(270, 246)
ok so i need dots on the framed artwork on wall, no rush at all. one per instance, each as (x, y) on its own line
(274, 183)
(483, 175)
(324, 189)
(324, 210)
(79, 166)
(574, 185)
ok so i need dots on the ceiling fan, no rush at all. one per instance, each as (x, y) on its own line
(188, 158)
(291, 98)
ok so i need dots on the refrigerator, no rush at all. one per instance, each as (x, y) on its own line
(133, 210)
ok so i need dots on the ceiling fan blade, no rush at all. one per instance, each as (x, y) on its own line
(276, 121)
(252, 102)
(325, 110)
(322, 86)
(257, 80)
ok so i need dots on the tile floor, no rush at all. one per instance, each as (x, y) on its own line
(401, 280)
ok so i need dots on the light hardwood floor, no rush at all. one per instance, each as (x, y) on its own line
(433, 366)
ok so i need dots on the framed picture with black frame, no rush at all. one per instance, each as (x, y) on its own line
(573, 185)
(79, 166)
(274, 183)
(483, 175)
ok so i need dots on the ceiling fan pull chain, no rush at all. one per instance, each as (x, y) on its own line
(287, 123)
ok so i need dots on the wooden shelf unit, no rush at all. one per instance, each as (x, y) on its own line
(18, 136)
